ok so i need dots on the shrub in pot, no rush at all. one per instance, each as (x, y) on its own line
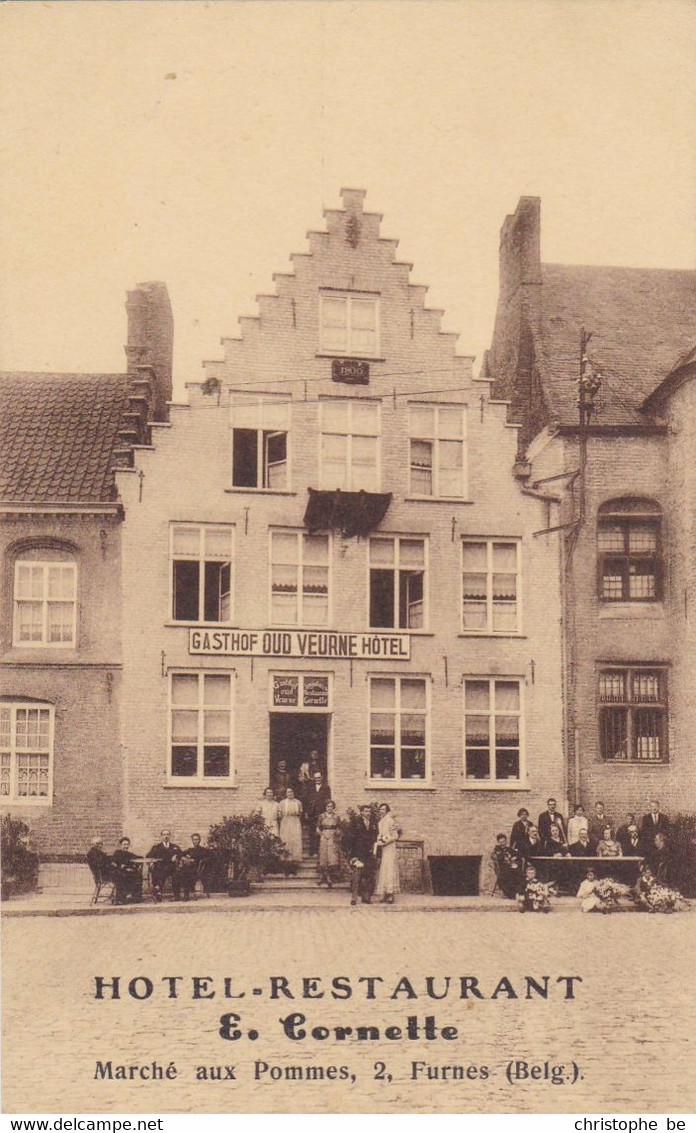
(20, 865)
(248, 848)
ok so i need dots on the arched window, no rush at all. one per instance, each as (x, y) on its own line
(44, 594)
(629, 550)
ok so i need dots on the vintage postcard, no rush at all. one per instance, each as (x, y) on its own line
(348, 629)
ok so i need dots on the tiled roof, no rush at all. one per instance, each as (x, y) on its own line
(641, 321)
(57, 436)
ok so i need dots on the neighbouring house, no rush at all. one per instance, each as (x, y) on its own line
(598, 365)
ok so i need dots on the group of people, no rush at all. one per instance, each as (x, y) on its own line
(366, 843)
(168, 864)
(585, 837)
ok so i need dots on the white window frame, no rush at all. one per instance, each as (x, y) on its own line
(260, 403)
(301, 563)
(9, 754)
(350, 435)
(44, 565)
(488, 630)
(200, 780)
(396, 568)
(201, 558)
(349, 298)
(436, 440)
(397, 782)
(493, 783)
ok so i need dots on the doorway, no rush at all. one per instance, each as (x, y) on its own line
(292, 736)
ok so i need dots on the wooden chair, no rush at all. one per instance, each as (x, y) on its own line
(104, 887)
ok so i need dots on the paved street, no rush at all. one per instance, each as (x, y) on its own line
(627, 1029)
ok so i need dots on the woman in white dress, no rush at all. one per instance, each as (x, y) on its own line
(290, 811)
(269, 810)
(387, 837)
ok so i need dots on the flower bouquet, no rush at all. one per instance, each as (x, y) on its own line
(660, 899)
(610, 891)
(538, 894)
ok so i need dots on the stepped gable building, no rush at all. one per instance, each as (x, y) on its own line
(327, 549)
(61, 438)
(598, 364)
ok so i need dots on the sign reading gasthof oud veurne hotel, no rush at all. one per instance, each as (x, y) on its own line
(299, 643)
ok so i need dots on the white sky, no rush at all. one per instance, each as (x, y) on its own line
(446, 111)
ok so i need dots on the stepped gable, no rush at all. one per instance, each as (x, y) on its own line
(641, 320)
(58, 435)
(349, 255)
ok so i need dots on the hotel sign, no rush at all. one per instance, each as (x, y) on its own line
(300, 643)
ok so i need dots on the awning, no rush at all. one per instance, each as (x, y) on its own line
(354, 513)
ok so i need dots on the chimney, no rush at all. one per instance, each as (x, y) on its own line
(520, 246)
(150, 346)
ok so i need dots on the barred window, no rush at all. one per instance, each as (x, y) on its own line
(299, 579)
(629, 553)
(398, 729)
(633, 714)
(26, 752)
(200, 727)
(492, 729)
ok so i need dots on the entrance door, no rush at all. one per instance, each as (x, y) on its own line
(293, 735)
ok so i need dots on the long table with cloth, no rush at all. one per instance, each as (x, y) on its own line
(569, 871)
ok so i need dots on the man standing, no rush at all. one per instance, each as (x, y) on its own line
(282, 779)
(165, 856)
(654, 822)
(548, 818)
(359, 848)
(318, 795)
(598, 821)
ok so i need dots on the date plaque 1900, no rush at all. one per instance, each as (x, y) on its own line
(350, 370)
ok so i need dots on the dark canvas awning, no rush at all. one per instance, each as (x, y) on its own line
(354, 513)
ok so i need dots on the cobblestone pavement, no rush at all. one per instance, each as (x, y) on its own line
(627, 1029)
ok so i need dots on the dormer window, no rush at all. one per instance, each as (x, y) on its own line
(349, 324)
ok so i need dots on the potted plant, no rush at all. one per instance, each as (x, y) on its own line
(246, 845)
(20, 865)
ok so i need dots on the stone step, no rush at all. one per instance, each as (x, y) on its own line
(296, 886)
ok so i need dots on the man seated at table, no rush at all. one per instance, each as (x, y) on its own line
(99, 862)
(632, 843)
(583, 848)
(192, 865)
(165, 858)
(127, 873)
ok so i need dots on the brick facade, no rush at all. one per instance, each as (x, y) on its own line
(639, 447)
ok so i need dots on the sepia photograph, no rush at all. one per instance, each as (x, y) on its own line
(348, 539)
